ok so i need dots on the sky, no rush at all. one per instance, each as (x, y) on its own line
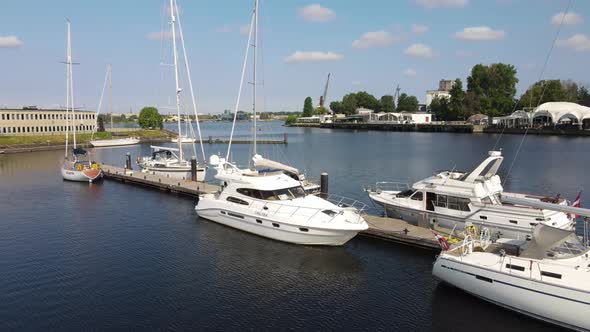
(372, 46)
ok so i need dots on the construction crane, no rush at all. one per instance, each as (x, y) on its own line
(396, 94)
(323, 98)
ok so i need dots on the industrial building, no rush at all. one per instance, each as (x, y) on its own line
(34, 121)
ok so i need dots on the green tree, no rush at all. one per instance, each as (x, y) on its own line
(149, 118)
(441, 108)
(265, 116)
(495, 87)
(349, 104)
(100, 123)
(367, 100)
(307, 107)
(407, 103)
(547, 91)
(321, 110)
(387, 104)
(291, 119)
(456, 101)
(583, 97)
(336, 107)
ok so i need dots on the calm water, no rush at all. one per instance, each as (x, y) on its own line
(112, 256)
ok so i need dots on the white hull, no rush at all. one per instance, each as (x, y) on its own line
(181, 173)
(184, 140)
(114, 142)
(78, 176)
(552, 303)
(278, 230)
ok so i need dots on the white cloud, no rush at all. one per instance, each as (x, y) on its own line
(245, 29)
(419, 29)
(317, 13)
(568, 19)
(578, 42)
(409, 72)
(430, 4)
(480, 33)
(375, 39)
(419, 50)
(160, 35)
(300, 56)
(10, 42)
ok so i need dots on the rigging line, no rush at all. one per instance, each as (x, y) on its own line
(190, 84)
(233, 126)
(104, 85)
(544, 85)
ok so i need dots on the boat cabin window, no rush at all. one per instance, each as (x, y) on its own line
(452, 202)
(237, 200)
(405, 193)
(274, 195)
(417, 196)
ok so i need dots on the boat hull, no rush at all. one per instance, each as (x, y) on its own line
(562, 306)
(114, 142)
(276, 229)
(88, 175)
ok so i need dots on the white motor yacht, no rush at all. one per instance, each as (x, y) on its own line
(274, 205)
(455, 199)
(165, 161)
(545, 278)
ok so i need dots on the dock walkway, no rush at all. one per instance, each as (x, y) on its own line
(389, 229)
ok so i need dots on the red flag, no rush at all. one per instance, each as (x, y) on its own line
(576, 203)
(444, 245)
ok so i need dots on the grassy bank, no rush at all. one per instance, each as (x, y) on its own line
(80, 138)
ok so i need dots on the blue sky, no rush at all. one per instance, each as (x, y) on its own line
(371, 45)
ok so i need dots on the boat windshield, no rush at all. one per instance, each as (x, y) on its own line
(405, 193)
(274, 195)
(568, 247)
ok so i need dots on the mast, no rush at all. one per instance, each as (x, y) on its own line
(175, 55)
(68, 60)
(111, 94)
(71, 85)
(255, 55)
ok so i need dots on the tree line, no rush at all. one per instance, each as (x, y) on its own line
(351, 102)
(491, 90)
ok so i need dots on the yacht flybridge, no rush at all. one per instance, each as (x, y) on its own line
(267, 165)
(273, 203)
(167, 161)
(455, 199)
(545, 278)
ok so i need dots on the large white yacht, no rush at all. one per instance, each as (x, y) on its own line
(454, 199)
(274, 205)
(545, 278)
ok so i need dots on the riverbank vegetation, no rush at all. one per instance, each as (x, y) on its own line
(80, 138)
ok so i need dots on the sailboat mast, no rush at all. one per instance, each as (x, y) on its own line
(71, 90)
(254, 78)
(111, 94)
(67, 88)
(175, 55)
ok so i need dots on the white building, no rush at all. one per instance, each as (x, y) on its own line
(34, 121)
(401, 118)
(431, 94)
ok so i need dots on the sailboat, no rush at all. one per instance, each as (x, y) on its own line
(77, 166)
(185, 138)
(168, 161)
(273, 204)
(113, 141)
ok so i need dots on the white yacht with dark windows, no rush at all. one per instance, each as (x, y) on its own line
(454, 199)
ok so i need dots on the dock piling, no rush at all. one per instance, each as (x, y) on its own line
(128, 161)
(285, 140)
(324, 184)
(194, 168)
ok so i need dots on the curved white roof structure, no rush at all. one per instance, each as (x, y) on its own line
(558, 111)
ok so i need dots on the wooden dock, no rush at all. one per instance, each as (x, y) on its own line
(185, 187)
(388, 229)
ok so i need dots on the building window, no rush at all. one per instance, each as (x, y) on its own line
(2, 116)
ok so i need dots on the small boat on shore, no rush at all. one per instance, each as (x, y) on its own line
(455, 199)
(544, 278)
(115, 142)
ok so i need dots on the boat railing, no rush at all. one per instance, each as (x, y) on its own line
(389, 186)
(267, 208)
(345, 202)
